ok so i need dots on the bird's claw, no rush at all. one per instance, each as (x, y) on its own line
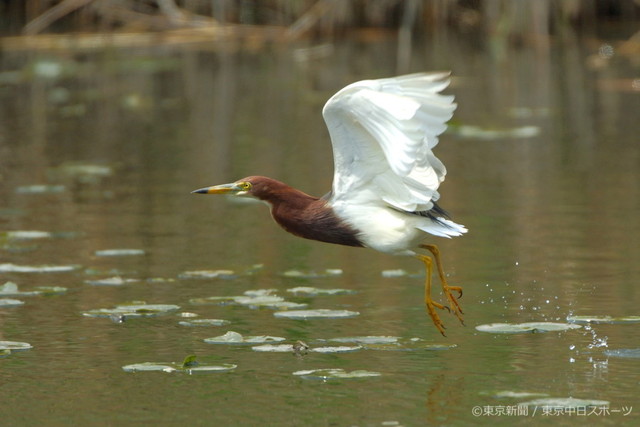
(453, 301)
(431, 309)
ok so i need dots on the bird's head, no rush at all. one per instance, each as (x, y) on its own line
(260, 187)
(241, 187)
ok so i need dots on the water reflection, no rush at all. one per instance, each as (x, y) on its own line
(551, 218)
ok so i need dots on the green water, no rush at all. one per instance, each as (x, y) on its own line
(552, 213)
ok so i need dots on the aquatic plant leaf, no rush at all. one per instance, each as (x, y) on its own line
(517, 394)
(13, 268)
(529, 327)
(190, 361)
(336, 349)
(187, 314)
(204, 322)
(260, 292)
(307, 290)
(119, 252)
(330, 272)
(111, 281)
(330, 374)
(11, 289)
(477, 132)
(83, 171)
(8, 302)
(132, 310)
(27, 235)
(274, 348)
(317, 314)
(188, 366)
(208, 274)
(49, 290)
(15, 345)
(585, 320)
(232, 337)
(214, 300)
(154, 280)
(367, 340)
(394, 273)
(40, 189)
(258, 300)
(391, 343)
(286, 305)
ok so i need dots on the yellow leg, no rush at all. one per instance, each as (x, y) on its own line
(430, 303)
(446, 289)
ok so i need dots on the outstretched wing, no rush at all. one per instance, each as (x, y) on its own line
(382, 132)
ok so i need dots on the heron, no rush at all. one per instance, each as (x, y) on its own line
(384, 194)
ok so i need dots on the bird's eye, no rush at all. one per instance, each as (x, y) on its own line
(246, 186)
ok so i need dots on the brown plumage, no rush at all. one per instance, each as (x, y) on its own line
(301, 214)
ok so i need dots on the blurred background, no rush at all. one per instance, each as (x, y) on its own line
(112, 111)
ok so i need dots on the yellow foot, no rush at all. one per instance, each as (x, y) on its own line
(431, 309)
(454, 306)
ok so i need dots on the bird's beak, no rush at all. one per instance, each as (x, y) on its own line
(220, 189)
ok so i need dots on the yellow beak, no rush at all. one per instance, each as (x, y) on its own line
(219, 189)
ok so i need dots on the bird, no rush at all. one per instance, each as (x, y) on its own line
(384, 194)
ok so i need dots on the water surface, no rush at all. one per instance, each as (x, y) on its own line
(552, 214)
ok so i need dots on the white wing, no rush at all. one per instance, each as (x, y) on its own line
(382, 132)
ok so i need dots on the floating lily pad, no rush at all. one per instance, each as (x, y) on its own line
(565, 402)
(8, 302)
(306, 290)
(269, 301)
(584, 320)
(208, 274)
(330, 374)
(253, 299)
(49, 290)
(12, 346)
(11, 289)
(393, 343)
(330, 272)
(91, 271)
(132, 310)
(187, 314)
(111, 281)
(27, 235)
(88, 173)
(257, 301)
(204, 322)
(232, 337)
(289, 348)
(477, 132)
(394, 273)
(286, 305)
(154, 280)
(518, 394)
(120, 252)
(178, 367)
(40, 189)
(366, 340)
(274, 348)
(321, 313)
(530, 327)
(13, 268)
(260, 292)
(632, 353)
(336, 349)
(214, 300)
